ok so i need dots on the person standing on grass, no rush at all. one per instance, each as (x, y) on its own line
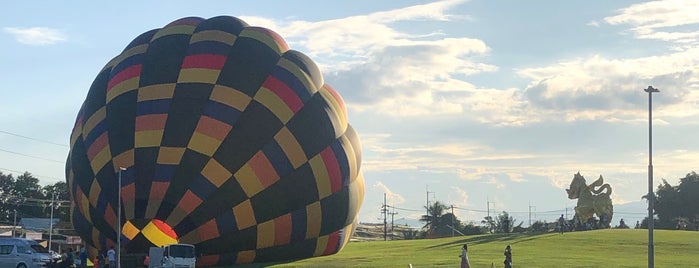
(561, 224)
(508, 257)
(464, 257)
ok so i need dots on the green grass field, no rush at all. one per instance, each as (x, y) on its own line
(601, 248)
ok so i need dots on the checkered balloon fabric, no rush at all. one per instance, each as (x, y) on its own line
(228, 140)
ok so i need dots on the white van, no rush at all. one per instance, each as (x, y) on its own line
(22, 253)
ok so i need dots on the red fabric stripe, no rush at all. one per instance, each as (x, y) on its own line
(128, 193)
(284, 92)
(158, 189)
(206, 61)
(282, 230)
(165, 228)
(333, 241)
(277, 38)
(208, 231)
(128, 73)
(333, 169)
(208, 260)
(97, 146)
(110, 216)
(193, 21)
(263, 169)
(189, 201)
(213, 128)
(151, 122)
(336, 96)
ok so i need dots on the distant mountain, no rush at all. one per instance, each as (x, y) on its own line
(630, 212)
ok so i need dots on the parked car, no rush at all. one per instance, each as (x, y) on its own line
(23, 253)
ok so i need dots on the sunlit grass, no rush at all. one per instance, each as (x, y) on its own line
(601, 248)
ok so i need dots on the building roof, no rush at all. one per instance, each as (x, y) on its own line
(37, 224)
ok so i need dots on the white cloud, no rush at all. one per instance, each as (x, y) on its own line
(392, 198)
(599, 88)
(384, 69)
(662, 20)
(37, 36)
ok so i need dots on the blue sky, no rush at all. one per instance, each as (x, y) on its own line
(477, 102)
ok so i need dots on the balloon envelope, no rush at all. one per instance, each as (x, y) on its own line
(221, 137)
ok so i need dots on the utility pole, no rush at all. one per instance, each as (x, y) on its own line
(384, 210)
(53, 199)
(393, 212)
(452, 221)
(651, 195)
(427, 207)
(490, 225)
(14, 225)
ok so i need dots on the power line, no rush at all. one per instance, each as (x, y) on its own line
(32, 156)
(34, 175)
(34, 139)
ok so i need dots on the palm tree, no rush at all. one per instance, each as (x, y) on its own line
(434, 218)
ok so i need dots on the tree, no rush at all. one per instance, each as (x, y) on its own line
(677, 203)
(489, 223)
(505, 223)
(438, 222)
(435, 212)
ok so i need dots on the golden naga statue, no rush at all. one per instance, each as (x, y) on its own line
(592, 199)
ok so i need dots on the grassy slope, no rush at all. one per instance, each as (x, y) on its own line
(602, 248)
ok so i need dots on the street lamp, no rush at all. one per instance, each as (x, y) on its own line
(53, 200)
(118, 262)
(651, 195)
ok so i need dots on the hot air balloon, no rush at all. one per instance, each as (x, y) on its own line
(224, 138)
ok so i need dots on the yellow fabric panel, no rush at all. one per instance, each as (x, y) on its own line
(356, 195)
(101, 159)
(301, 75)
(265, 234)
(157, 237)
(95, 190)
(148, 138)
(216, 173)
(152, 208)
(95, 236)
(74, 136)
(347, 234)
(123, 87)
(231, 97)
(170, 155)
(320, 172)
(340, 122)
(140, 49)
(351, 157)
(313, 217)
(129, 204)
(275, 104)
(291, 147)
(264, 38)
(246, 256)
(248, 180)
(129, 230)
(203, 144)
(123, 160)
(198, 75)
(321, 244)
(85, 204)
(213, 35)
(94, 119)
(176, 216)
(244, 215)
(175, 29)
(156, 92)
